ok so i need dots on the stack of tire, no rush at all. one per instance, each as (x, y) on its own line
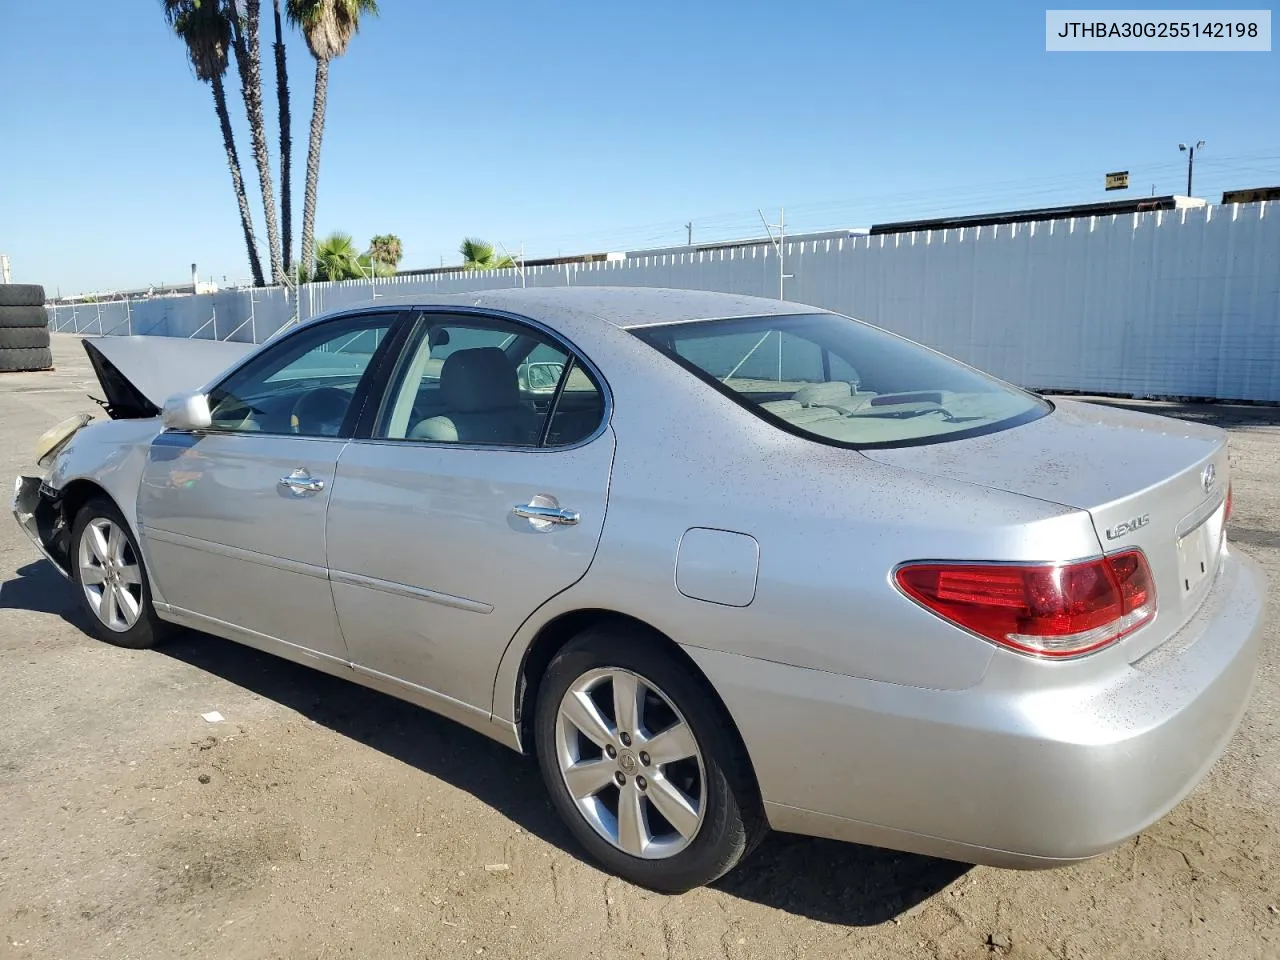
(24, 328)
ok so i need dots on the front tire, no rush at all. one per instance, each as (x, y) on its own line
(642, 764)
(113, 586)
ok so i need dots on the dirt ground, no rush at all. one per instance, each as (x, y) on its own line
(321, 820)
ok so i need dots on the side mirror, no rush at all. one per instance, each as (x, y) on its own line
(541, 376)
(187, 412)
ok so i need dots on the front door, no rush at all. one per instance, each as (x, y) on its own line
(233, 518)
(480, 494)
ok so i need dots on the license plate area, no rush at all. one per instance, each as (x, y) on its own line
(1198, 551)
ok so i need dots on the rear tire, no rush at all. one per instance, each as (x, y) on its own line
(36, 358)
(666, 824)
(21, 294)
(28, 315)
(112, 583)
(23, 338)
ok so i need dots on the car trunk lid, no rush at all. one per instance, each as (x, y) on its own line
(1149, 482)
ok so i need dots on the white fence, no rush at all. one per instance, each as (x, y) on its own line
(1182, 302)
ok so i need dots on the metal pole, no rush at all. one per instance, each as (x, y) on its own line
(689, 227)
(782, 257)
(1191, 159)
(777, 243)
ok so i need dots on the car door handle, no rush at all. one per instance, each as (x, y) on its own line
(300, 481)
(539, 515)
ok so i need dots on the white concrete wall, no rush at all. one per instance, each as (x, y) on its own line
(1183, 303)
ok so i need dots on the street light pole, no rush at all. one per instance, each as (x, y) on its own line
(1191, 159)
(779, 246)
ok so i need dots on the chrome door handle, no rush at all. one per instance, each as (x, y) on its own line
(540, 516)
(300, 481)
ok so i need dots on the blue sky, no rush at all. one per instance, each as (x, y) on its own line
(605, 127)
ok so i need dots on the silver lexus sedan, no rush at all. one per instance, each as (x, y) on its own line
(724, 564)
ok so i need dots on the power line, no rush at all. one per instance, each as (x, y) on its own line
(866, 208)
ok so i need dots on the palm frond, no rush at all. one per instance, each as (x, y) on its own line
(476, 253)
(329, 25)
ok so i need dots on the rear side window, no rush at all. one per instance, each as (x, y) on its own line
(843, 382)
(489, 381)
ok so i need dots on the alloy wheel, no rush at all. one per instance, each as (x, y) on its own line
(110, 574)
(631, 763)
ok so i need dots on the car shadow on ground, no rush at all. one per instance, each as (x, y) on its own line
(41, 589)
(821, 879)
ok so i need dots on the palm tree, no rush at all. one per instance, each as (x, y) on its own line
(386, 250)
(338, 259)
(328, 26)
(244, 16)
(286, 148)
(370, 268)
(479, 255)
(203, 27)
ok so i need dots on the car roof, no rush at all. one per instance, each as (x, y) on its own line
(625, 307)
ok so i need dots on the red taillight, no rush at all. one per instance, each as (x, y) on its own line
(1047, 610)
(1226, 514)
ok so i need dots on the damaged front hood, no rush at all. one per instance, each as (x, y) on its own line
(138, 374)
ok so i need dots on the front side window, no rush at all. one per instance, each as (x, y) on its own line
(842, 381)
(304, 384)
(492, 382)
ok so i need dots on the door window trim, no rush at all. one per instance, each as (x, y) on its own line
(369, 380)
(391, 368)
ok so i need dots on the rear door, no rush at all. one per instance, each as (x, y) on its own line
(233, 517)
(478, 492)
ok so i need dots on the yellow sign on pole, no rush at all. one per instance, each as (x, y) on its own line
(1118, 181)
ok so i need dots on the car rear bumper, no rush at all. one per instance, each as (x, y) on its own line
(1002, 777)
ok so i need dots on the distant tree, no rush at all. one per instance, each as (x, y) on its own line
(479, 255)
(286, 146)
(385, 250)
(337, 258)
(372, 268)
(245, 19)
(328, 26)
(203, 26)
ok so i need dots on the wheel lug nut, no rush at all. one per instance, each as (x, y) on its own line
(641, 782)
(644, 758)
(626, 739)
(610, 752)
(620, 777)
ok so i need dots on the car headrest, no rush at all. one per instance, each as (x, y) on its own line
(816, 393)
(479, 379)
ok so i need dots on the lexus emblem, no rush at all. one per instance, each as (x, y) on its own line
(1208, 477)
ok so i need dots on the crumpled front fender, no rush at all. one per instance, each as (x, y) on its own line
(38, 511)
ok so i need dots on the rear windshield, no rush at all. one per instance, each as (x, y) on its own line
(842, 381)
